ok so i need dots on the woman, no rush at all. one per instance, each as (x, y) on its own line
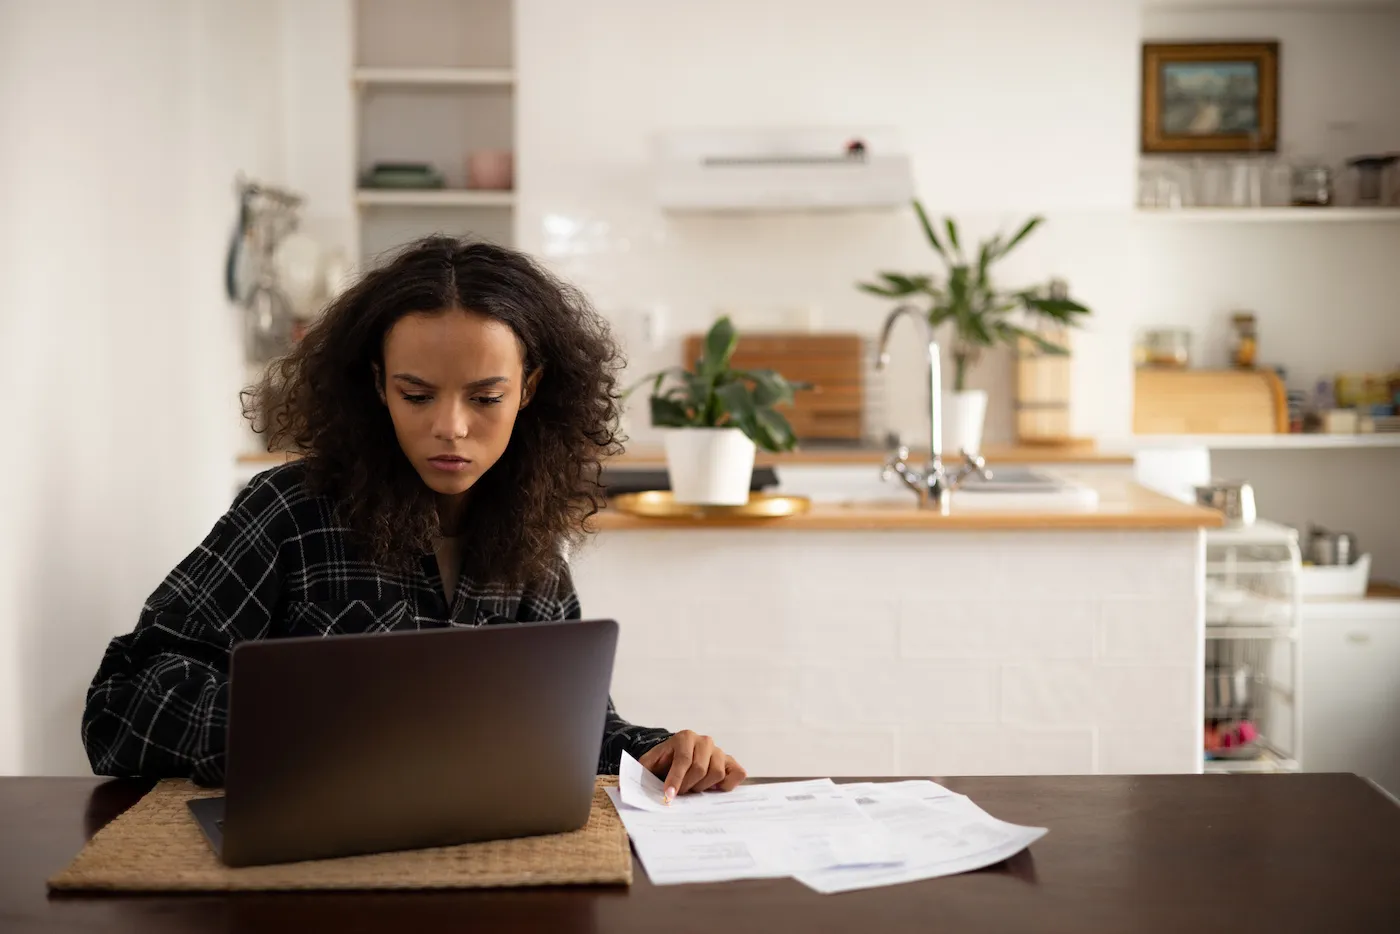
(452, 409)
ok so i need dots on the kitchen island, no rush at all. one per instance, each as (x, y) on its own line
(875, 637)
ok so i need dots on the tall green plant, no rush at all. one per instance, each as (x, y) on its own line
(981, 315)
(715, 395)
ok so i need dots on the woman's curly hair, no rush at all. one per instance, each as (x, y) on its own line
(321, 401)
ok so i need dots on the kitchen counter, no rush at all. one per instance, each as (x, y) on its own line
(1077, 452)
(881, 637)
(1122, 505)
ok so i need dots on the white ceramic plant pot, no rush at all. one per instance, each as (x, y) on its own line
(963, 415)
(709, 466)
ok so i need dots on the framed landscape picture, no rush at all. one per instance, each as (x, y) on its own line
(1210, 97)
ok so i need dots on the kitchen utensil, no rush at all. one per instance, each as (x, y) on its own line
(1233, 498)
(237, 278)
(297, 261)
(1227, 690)
(1331, 549)
(1369, 177)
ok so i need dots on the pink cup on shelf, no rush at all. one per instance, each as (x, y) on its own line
(491, 169)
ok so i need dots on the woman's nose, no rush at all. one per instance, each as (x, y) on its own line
(451, 422)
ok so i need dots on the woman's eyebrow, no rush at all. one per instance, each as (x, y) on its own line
(476, 384)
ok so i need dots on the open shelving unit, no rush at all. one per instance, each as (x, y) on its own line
(1276, 442)
(1252, 632)
(433, 80)
(428, 77)
(1272, 215)
(433, 198)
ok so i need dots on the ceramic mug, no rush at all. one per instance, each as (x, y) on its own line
(491, 169)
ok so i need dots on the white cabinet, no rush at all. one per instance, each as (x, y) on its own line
(1351, 689)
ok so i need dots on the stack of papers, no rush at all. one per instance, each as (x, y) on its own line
(830, 837)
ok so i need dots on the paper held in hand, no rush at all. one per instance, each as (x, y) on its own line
(830, 837)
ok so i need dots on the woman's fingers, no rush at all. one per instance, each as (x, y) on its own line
(714, 774)
(692, 762)
(682, 751)
(699, 764)
(734, 775)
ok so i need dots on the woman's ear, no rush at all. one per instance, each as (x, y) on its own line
(379, 383)
(532, 382)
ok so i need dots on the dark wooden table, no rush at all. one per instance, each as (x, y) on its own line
(1234, 854)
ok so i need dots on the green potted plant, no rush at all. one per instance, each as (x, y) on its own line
(980, 314)
(715, 417)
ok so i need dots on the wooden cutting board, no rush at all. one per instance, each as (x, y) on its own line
(1209, 402)
(833, 409)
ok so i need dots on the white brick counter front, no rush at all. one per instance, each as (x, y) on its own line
(911, 652)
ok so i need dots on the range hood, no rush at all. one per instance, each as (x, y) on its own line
(783, 170)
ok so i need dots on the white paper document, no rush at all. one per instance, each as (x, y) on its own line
(833, 838)
(939, 835)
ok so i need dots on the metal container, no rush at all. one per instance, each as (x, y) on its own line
(1234, 498)
(1331, 549)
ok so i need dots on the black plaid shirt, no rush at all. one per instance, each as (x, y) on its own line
(278, 564)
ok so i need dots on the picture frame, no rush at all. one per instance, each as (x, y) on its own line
(1210, 97)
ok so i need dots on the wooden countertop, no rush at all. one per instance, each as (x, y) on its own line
(1079, 452)
(1147, 854)
(1122, 505)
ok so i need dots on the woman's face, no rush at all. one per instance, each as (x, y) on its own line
(454, 383)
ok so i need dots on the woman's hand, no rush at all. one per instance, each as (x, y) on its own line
(691, 762)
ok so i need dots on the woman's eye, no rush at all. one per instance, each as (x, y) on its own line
(415, 398)
(490, 400)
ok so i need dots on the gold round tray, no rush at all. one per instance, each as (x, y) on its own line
(660, 504)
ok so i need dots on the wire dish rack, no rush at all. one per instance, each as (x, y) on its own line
(1252, 720)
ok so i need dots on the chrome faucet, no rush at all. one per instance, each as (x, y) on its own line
(932, 484)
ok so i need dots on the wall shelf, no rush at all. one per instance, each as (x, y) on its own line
(433, 198)
(1278, 442)
(434, 77)
(1274, 215)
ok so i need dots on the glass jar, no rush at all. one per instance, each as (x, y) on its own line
(1312, 186)
(1244, 349)
(1164, 348)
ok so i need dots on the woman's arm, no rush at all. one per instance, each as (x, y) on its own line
(158, 706)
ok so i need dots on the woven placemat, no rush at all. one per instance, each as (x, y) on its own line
(157, 846)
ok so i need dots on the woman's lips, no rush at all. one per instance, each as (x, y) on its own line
(450, 463)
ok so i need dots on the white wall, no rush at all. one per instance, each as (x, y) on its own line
(124, 125)
(317, 114)
(1008, 107)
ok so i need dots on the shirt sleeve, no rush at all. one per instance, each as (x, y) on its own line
(618, 734)
(158, 705)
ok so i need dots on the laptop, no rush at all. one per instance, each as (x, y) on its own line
(342, 745)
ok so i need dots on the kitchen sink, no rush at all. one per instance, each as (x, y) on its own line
(1022, 488)
(1009, 489)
